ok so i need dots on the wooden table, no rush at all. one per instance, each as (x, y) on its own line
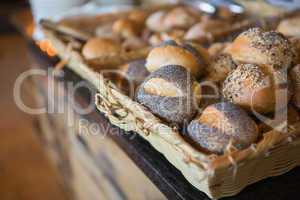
(153, 164)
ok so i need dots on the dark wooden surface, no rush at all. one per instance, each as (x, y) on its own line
(165, 176)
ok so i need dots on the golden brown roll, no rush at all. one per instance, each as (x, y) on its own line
(255, 89)
(97, 47)
(179, 18)
(171, 53)
(290, 26)
(255, 46)
(295, 81)
(223, 124)
(126, 28)
(168, 93)
(219, 68)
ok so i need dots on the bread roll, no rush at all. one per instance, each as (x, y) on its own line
(222, 124)
(155, 21)
(126, 28)
(202, 30)
(97, 47)
(171, 53)
(168, 93)
(219, 68)
(255, 89)
(290, 26)
(179, 18)
(269, 49)
(295, 79)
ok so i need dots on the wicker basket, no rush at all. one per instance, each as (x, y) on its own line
(218, 176)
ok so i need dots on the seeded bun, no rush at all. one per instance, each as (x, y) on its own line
(290, 26)
(173, 54)
(136, 71)
(254, 89)
(219, 68)
(168, 93)
(269, 49)
(96, 47)
(222, 124)
(295, 81)
(126, 28)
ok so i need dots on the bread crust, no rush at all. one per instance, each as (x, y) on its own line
(97, 47)
(174, 54)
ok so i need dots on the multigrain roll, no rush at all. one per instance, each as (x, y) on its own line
(221, 125)
(290, 26)
(253, 88)
(97, 47)
(193, 58)
(219, 68)
(136, 71)
(168, 93)
(270, 49)
(295, 81)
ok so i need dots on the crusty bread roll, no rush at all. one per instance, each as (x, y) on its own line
(126, 28)
(290, 26)
(223, 124)
(97, 47)
(136, 71)
(255, 46)
(295, 81)
(171, 53)
(169, 93)
(253, 88)
(219, 68)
